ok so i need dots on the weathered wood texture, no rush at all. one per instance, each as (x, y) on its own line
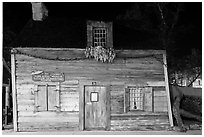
(139, 122)
(96, 112)
(160, 99)
(30, 121)
(129, 68)
(48, 126)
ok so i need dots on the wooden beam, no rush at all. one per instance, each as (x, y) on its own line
(108, 107)
(14, 95)
(167, 89)
(81, 106)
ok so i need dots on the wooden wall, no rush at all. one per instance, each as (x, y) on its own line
(124, 71)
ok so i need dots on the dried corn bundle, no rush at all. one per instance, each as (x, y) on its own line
(100, 53)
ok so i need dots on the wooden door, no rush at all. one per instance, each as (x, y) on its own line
(97, 108)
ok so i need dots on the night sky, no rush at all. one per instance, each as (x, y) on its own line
(16, 15)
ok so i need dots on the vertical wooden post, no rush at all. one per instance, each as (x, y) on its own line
(167, 89)
(14, 96)
(6, 104)
(108, 107)
(7, 96)
(81, 106)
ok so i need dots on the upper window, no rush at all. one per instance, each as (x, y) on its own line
(99, 33)
(99, 36)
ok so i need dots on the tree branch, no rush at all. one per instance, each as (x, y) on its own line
(194, 79)
(162, 14)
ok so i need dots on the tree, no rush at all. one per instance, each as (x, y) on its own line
(163, 20)
(157, 18)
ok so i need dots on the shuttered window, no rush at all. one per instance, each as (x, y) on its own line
(46, 98)
(138, 98)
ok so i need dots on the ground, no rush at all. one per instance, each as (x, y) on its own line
(9, 131)
(189, 132)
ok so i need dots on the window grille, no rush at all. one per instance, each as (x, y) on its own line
(136, 98)
(99, 36)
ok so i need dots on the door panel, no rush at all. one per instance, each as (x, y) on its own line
(96, 112)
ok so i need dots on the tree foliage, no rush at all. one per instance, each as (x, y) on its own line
(163, 20)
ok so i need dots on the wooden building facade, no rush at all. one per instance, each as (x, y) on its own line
(60, 89)
(63, 88)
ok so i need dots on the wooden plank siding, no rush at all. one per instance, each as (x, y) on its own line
(139, 122)
(129, 68)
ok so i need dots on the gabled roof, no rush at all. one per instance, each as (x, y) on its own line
(52, 32)
(65, 32)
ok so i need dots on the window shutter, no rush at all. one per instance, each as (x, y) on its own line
(52, 98)
(41, 98)
(89, 34)
(109, 35)
(148, 99)
(58, 98)
(127, 100)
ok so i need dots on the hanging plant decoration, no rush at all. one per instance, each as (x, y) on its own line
(100, 53)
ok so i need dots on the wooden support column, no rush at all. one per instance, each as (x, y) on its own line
(6, 105)
(14, 95)
(81, 106)
(167, 89)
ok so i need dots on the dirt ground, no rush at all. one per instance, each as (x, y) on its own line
(9, 131)
(189, 132)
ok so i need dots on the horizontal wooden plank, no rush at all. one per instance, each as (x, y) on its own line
(70, 94)
(63, 86)
(25, 102)
(25, 97)
(48, 126)
(159, 88)
(160, 99)
(25, 107)
(95, 66)
(70, 82)
(74, 108)
(47, 114)
(66, 68)
(160, 93)
(50, 119)
(25, 92)
(156, 83)
(108, 78)
(69, 103)
(136, 123)
(163, 109)
(25, 86)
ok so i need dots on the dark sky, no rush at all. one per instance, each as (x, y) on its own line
(16, 15)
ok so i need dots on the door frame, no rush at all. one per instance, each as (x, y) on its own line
(82, 103)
